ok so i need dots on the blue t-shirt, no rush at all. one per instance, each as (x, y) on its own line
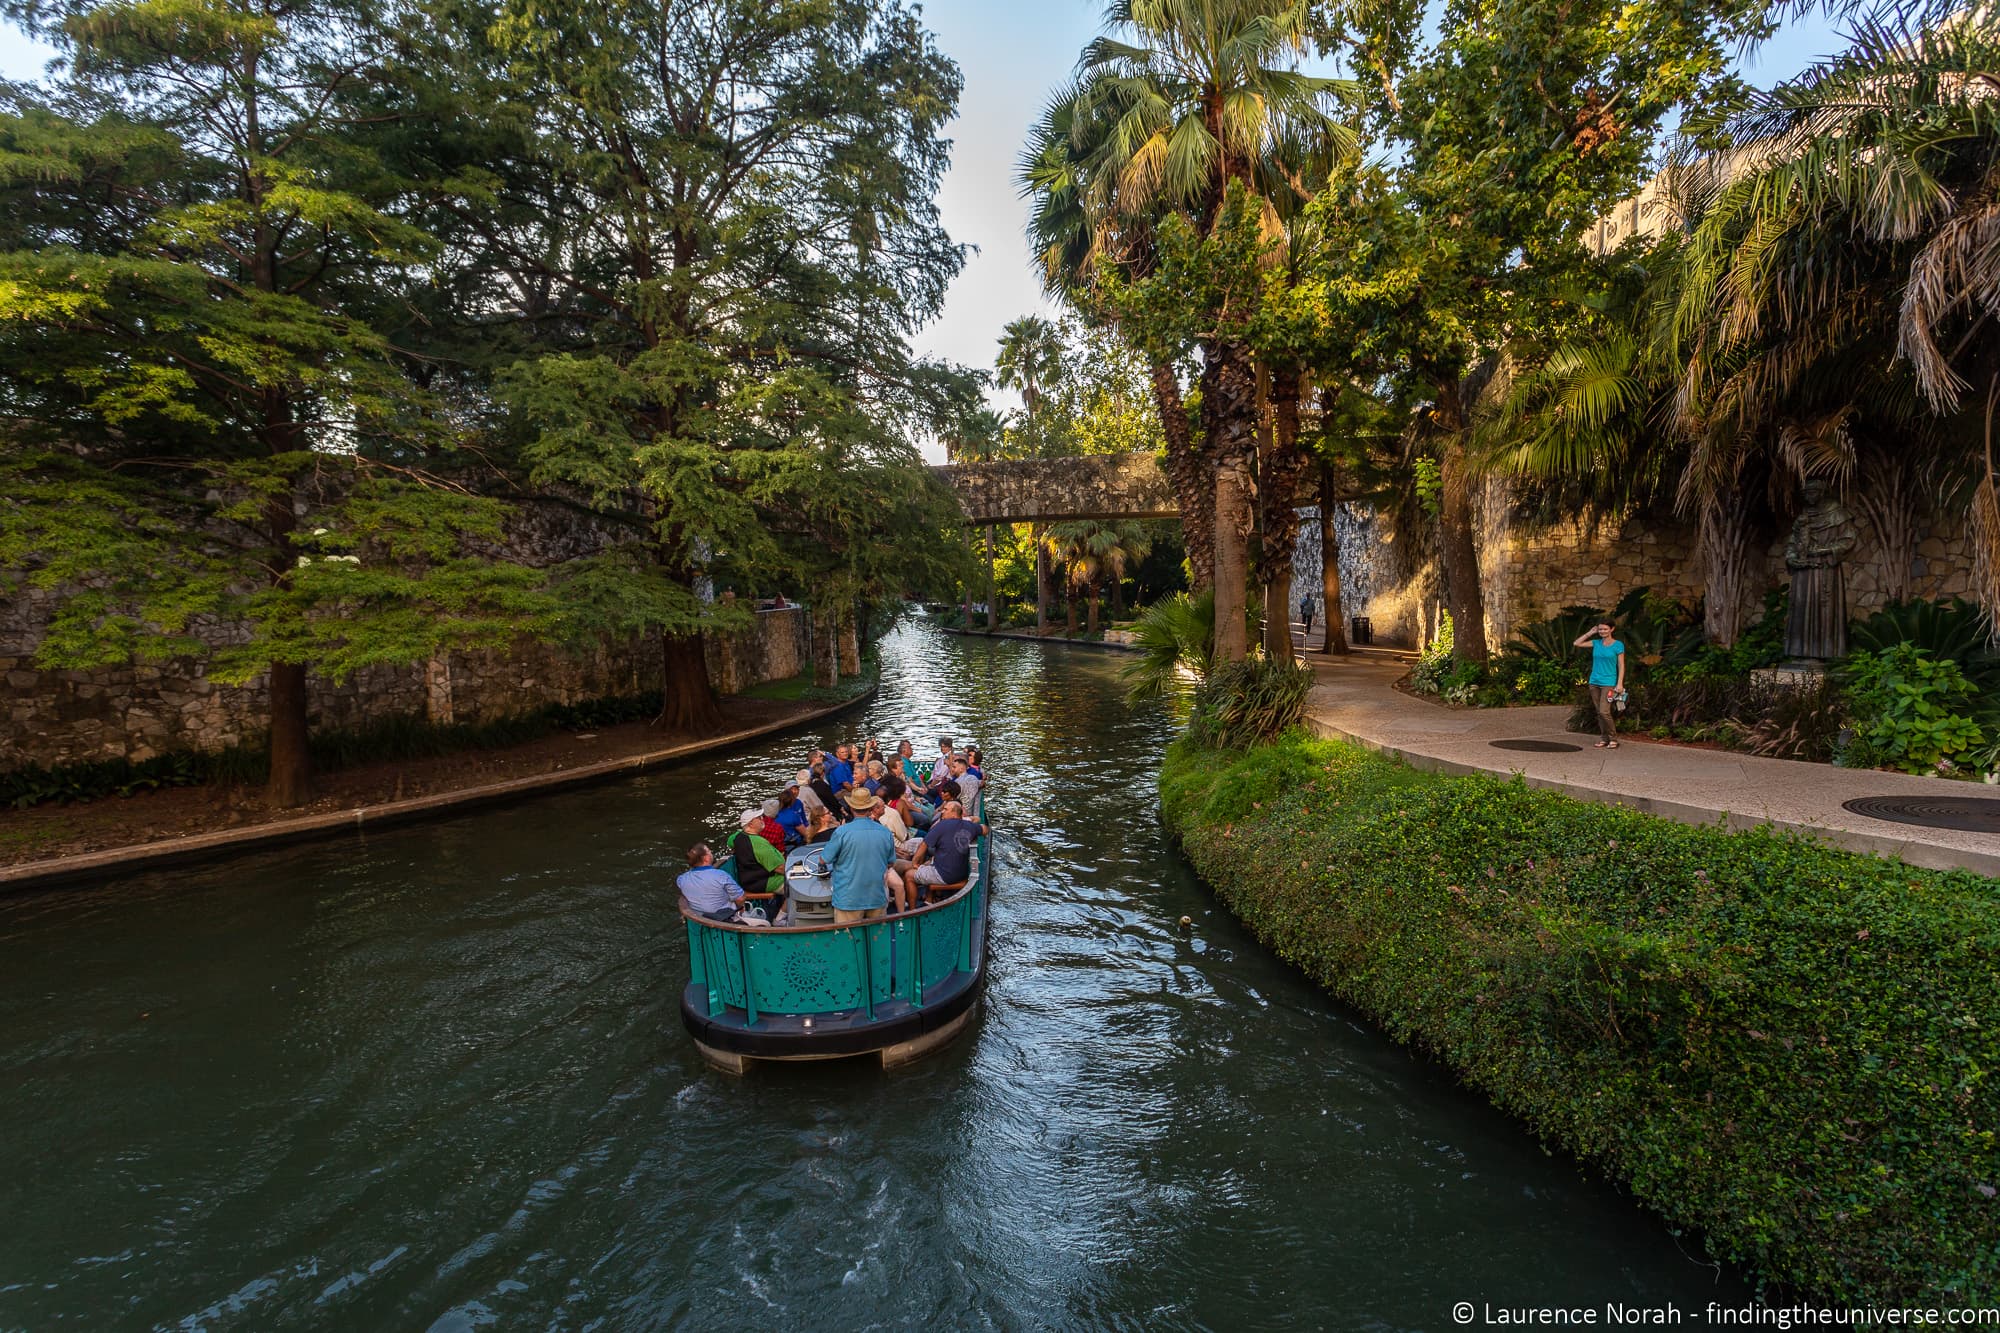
(1604, 655)
(859, 852)
(838, 773)
(708, 889)
(793, 820)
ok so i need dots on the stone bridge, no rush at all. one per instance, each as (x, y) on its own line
(1049, 490)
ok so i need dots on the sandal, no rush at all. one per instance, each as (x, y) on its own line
(1603, 744)
(1611, 745)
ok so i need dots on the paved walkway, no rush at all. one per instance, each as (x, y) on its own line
(1355, 700)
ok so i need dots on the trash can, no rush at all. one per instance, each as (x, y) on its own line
(1360, 630)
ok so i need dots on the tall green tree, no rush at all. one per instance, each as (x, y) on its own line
(750, 236)
(198, 247)
(1204, 97)
(1517, 127)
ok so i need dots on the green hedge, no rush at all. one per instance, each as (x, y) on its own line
(1789, 1047)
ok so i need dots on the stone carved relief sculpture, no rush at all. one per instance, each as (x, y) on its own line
(1816, 625)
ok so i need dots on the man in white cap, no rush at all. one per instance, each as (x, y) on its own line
(757, 865)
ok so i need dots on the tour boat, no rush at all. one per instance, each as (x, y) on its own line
(892, 988)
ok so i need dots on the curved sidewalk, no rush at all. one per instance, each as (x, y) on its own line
(1356, 700)
(306, 828)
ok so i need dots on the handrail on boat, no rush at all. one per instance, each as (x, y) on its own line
(698, 919)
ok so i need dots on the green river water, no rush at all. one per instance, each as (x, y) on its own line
(435, 1078)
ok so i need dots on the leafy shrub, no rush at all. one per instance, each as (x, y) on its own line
(1176, 638)
(34, 784)
(1799, 722)
(1554, 639)
(1950, 631)
(1684, 703)
(1903, 705)
(1434, 664)
(1246, 702)
(1782, 1044)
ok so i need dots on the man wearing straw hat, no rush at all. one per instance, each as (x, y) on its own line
(860, 855)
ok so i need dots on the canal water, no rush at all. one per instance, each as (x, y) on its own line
(436, 1078)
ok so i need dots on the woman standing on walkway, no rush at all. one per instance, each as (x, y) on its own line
(1607, 678)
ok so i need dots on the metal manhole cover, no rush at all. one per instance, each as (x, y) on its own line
(1969, 814)
(1536, 747)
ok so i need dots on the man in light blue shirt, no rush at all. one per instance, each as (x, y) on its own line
(710, 892)
(860, 853)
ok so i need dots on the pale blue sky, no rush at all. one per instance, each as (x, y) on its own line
(1012, 53)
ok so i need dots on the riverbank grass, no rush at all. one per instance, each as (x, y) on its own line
(1790, 1047)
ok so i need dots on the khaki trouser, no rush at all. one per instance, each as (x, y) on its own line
(1600, 699)
(841, 916)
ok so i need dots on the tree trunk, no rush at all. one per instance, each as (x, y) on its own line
(1331, 610)
(1188, 471)
(687, 700)
(1459, 550)
(1229, 425)
(1284, 470)
(992, 592)
(825, 646)
(849, 640)
(1096, 593)
(1041, 581)
(1069, 604)
(290, 781)
(1118, 599)
(1724, 535)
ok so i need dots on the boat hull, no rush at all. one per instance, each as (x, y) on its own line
(893, 989)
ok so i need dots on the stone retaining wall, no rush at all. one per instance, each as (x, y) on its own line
(1529, 572)
(65, 717)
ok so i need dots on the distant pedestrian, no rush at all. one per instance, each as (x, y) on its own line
(1607, 678)
(1306, 611)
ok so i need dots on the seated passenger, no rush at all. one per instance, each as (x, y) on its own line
(840, 769)
(877, 770)
(972, 763)
(824, 793)
(906, 764)
(945, 858)
(769, 827)
(757, 865)
(967, 785)
(792, 817)
(899, 828)
(822, 826)
(708, 891)
(860, 855)
(942, 786)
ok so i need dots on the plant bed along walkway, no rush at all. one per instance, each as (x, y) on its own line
(1358, 700)
(1787, 1046)
(45, 833)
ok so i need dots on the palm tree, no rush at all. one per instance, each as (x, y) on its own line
(1207, 95)
(1030, 360)
(1858, 215)
(1070, 241)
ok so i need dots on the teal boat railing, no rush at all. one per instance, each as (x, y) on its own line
(826, 969)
